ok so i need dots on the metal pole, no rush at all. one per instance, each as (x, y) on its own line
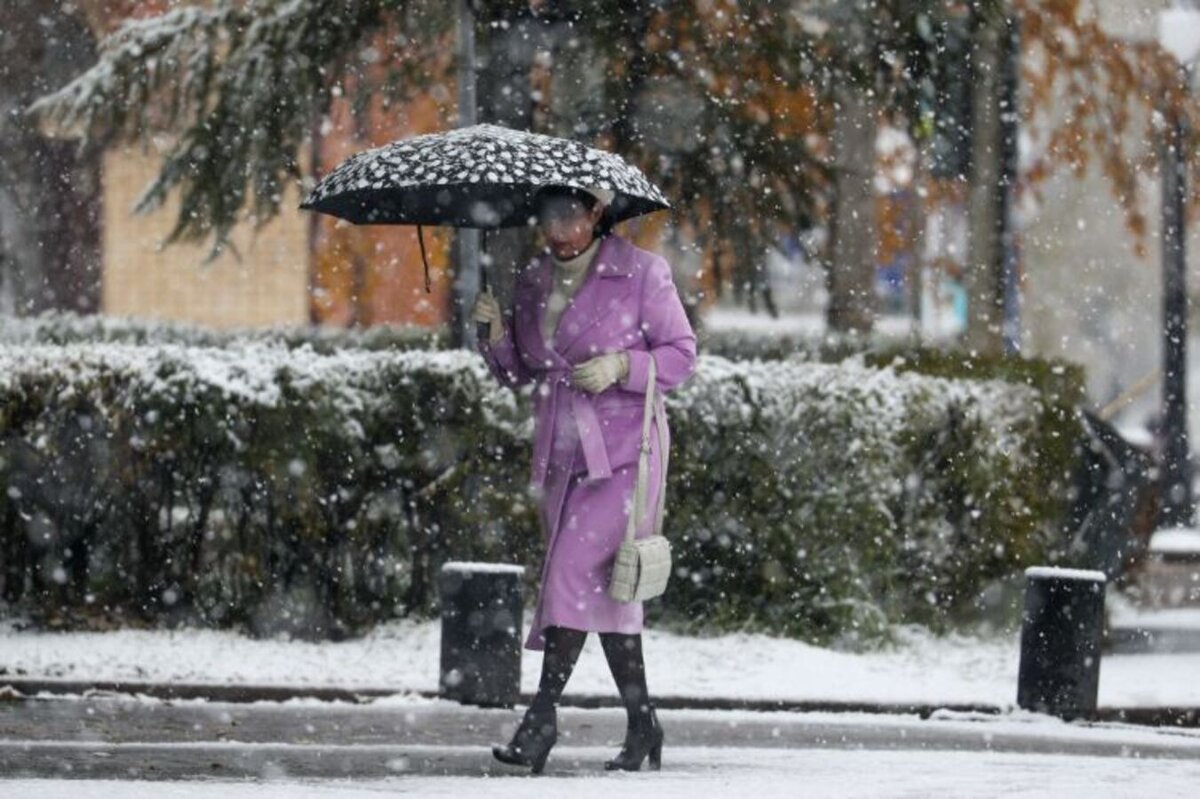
(466, 279)
(1176, 508)
(1009, 122)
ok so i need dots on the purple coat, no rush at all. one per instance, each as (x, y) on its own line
(586, 446)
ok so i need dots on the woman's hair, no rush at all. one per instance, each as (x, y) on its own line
(604, 225)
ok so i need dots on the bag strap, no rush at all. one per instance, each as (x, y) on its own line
(643, 472)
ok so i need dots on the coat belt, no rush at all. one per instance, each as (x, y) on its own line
(586, 422)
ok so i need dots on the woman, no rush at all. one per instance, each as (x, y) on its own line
(587, 317)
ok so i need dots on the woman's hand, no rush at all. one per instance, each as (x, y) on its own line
(487, 309)
(599, 373)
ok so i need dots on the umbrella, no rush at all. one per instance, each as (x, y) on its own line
(481, 176)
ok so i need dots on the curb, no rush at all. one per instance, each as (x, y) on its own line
(22, 688)
(29, 689)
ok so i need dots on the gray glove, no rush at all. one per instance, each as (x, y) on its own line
(597, 374)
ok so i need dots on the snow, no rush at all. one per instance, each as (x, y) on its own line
(1055, 573)
(248, 370)
(691, 772)
(743, 321)
(482, 568)
(476, 154)
(1157, 619)
(1176, 541)
(938, 324)
(1179, 33)
(253, 371)
(404, 656)
(896, 154)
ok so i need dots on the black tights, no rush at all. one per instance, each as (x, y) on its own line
(624, 655)
(563, 646)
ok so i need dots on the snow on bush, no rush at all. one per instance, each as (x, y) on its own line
(267, 486)
(828, 500)
(65, 327)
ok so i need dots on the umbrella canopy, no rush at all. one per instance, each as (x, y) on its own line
(482, 176)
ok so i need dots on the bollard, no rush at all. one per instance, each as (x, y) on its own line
(1060, 641)
(481, 633)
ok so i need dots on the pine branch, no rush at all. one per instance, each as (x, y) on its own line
(238, 82)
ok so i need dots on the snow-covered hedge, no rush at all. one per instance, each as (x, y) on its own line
(824, 500)
(276, 487)
(64, 327)
(745, 345)
(241, 484)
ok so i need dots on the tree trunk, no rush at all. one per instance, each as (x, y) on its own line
(852, 241)
(986, 200)
(50, 246)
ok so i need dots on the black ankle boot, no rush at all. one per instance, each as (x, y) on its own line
(530, 745)
(641, 739)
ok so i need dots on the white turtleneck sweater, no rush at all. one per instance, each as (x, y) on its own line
(568, 277)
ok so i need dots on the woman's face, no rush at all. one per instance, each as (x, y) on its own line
(567, 225)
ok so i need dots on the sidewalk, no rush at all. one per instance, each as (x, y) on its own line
(698, 772)
(145, 739)
(728, 671)
(388, 740)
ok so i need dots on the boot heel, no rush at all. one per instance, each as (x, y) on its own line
(539, 762)
(656, 756)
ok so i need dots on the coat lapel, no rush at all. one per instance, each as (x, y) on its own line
(605, 291)
(538, 289)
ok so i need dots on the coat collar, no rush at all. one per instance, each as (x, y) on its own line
(592, 301)
(612, 260)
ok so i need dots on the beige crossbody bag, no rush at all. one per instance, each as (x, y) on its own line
(643, 566)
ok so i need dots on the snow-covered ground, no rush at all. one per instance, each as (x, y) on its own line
(1175, 541)
(404, 656)
(730, 772)
(938, 324)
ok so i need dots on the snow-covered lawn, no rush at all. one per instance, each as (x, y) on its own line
(729, 772)
(938, 323)
(404, 656)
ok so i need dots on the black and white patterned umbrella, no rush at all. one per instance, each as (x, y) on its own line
(482, 176)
